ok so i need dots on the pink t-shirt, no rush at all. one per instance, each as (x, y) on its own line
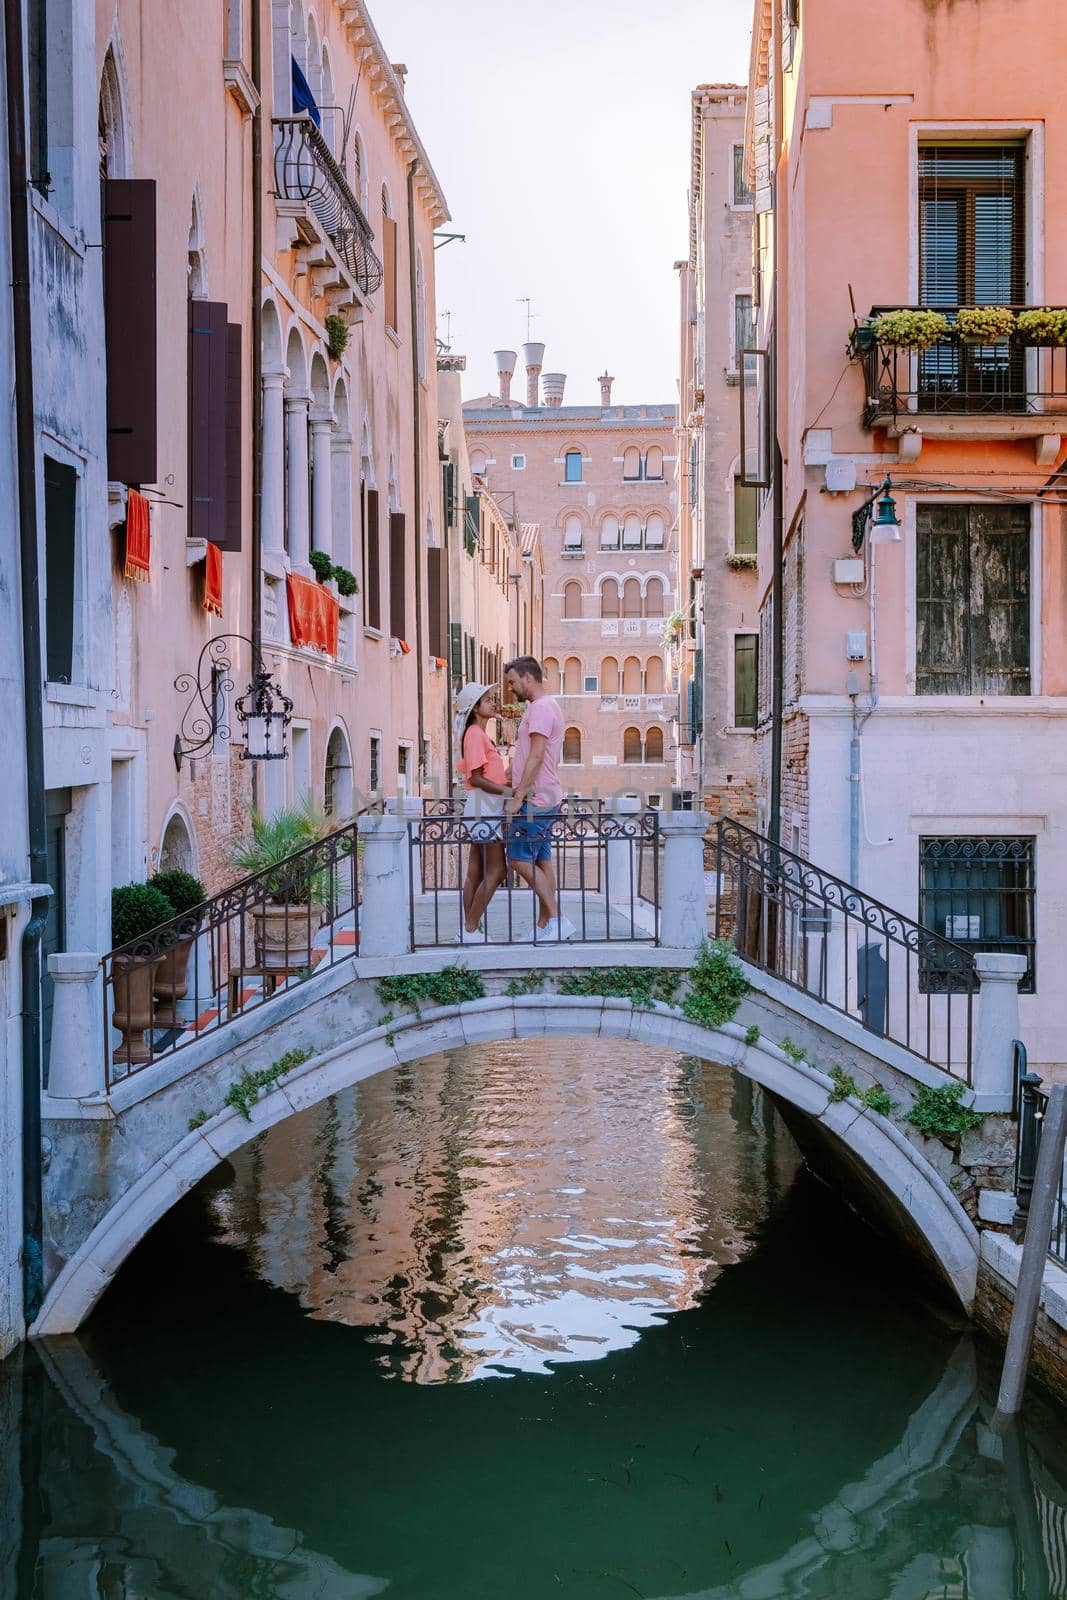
(479, 752)
(541, 716)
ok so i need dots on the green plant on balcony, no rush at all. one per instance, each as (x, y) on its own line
(913, 330)
(672, 629)
(345, 581)
(321, 565)
(741, 561)
(1043, 325)
(984, 324)
(337, 331)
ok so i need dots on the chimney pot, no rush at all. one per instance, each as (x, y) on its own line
(605, 381)
(553, 384)
(505, 366)
(533, 355)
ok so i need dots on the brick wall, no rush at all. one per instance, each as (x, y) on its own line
(992, 1311)
(218, 794)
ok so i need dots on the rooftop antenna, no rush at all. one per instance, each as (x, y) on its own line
(524, 300)
(448, 329)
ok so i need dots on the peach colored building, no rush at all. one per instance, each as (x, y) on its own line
(913, 698)
(717, 649)
(599, 480)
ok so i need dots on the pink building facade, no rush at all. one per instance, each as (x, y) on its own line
(913, 678)
(600, 482)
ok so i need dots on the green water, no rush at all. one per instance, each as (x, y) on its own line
(522, 1321)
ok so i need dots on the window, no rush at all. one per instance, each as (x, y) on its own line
(609, 533)
(741, 194)
(631, 747)
(375, 762)
(572, 466)
(654, 598)
(572, 600)
(631, 533)
(60, 554)
(654, 801)
(654, 462)
(631, 598)
(389, 252)
(655, 677)
(654, 533)
(744, 518)
(609, 598)
(372, 561)
(631, 675)
(590, 684)
(403, 759)
(572, 676)
(972, 600)
(631, 462)
(653, 746)
(978, 893)
(746, 678)
(572, 746)
(518, 463)
(572, 536)
(609, 675)
(551, 671)
(744, 332)
(694, 471)
(479, 462)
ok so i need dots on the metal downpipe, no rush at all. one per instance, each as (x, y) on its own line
(416, 407)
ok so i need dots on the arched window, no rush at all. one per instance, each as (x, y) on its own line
(337, 778)
(609, 533)
(572, 599)
(572, 533)
(330, 117)
(479, 462)
(631, 533)
(609, 675)
(653, 745)
(654, 462)
(177, 853)
(572, 676)
(631, 598)
(631, 462)
(572, 746)
(609, 598)
(654, 676)
(654, 533)
(631, 676)
(111, 123)
(631, 747)
(389, 263)
(654, 598)
(572, 466)
(550, 666)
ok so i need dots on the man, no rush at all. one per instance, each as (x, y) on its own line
(536, 791)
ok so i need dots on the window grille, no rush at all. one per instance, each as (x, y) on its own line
(979, 893)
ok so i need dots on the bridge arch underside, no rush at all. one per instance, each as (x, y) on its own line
(865, 1156)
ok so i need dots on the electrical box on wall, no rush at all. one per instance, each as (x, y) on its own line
(856, 645)
(848, 570)
(840, 476)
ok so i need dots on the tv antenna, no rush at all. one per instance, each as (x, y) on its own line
(447, 315)
(524, 300)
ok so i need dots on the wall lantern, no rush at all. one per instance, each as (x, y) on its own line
(885, 526)
(263, 711)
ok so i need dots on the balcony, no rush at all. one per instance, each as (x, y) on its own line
(960, 388)
(306, 173)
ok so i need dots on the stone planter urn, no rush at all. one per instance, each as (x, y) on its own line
(172, 982)
(283, 937)
(132, 983)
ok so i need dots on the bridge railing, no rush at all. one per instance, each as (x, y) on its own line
(595, 855)
(1031, 1105)
(900, 980)
(190, 976)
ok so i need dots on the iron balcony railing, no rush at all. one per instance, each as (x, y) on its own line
(1031, 1103)
(192, 975)
(305, 169)
(895, 977)
(955, 376)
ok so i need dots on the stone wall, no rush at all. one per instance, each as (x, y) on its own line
(993, 1303)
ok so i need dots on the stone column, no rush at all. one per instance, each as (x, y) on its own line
(296, 433)
(341, 457)
(384, 916)
(683, 918)
(274, 460)
(321, 479)
(621, 851)
(998, 1022)
(76, 1059)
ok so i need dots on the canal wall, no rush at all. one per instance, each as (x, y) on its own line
(998, 1274)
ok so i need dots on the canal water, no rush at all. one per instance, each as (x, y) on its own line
(517, 1322)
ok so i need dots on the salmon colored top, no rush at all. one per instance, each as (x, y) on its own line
(481, 754)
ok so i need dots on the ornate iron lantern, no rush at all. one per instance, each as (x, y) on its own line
(263, 711)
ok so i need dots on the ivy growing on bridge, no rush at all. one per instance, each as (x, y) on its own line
(451, 986)
(643, 985)
(939, 1113)
(246, 1090)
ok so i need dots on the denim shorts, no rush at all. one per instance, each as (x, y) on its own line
(530, 835)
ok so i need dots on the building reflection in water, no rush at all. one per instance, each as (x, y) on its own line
(501, 1209)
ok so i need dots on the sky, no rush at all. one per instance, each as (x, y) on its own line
(559, 131)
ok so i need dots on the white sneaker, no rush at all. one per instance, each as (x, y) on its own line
(556, 930)
(567, 930)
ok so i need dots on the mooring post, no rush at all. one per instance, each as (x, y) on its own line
(683, 901)
(1035, 1253)
(385, 914)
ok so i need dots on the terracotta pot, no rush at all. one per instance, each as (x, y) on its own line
(131, 990)
(283, 937)
(171, 982)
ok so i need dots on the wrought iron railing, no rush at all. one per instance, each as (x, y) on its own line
(1031, 1104)
(956, 376)
(897, 978)
(595, 856)
(192, 975)
(305, 169)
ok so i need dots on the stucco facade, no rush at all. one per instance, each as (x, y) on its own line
(599, 481)
(912, 704)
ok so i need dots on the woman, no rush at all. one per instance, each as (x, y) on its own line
(487, 782)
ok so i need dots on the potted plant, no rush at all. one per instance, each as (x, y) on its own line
(863, 334)
(336, 335)
(282, 914)
(1043, 325)
(321, 565)
(186, 895)
(913, 330)
(672, 629)
(345, 581)
(137, 909)
(984, 324)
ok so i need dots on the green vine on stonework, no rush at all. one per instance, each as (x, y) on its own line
(877, 1099)
(644, 986)
(752, 1034)
(940, 1113)
(451, 986)
(532, 983)
(717, 984)
(844, 1084)
(197, 1120)
(243, 1094)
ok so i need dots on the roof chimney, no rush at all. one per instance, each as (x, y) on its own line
(505, 366)
(532, 355)
(553, 384)
(605, 382)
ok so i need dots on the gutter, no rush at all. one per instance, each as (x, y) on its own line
(257, 364)
(416, 411)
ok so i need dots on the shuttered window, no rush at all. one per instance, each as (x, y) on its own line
(60, 550)
(129, 206)
(448, 492)
(746, 678)
(207, 420)
(436, 598)
(631, 746)
(972, 223)
(372, 561)
(389, 264)
(972, 601)
(572, 745)
(744, 518)
(398, 597)
(472, 518)
(455, 641)
(230, 538)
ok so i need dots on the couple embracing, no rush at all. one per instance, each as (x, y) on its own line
(511, 820)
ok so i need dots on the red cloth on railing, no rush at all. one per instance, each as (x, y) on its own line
(213, 579)
(313, 614)
(138, 537)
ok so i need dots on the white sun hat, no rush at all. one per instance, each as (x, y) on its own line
(468, 698)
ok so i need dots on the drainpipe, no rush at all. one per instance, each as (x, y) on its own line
(416, 411)
(18, 193)
(257, 363)
(774, 827)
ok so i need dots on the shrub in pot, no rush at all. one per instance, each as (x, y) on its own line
(282, 907)
(137, 910)
(186, 895)
(912, 330)
(1043, 325)
(984, 324)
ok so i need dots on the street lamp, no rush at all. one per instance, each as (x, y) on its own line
(263, 711)
(885, 526)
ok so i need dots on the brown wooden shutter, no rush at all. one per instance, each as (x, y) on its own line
(940, 603)
(389, 263)
(372, 563)
(397, 575)
(437, 631)
(972, 600)
(207, 420)
(130, 328)
(230, 538)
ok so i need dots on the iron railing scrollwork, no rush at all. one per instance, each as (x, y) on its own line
(305, 169)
